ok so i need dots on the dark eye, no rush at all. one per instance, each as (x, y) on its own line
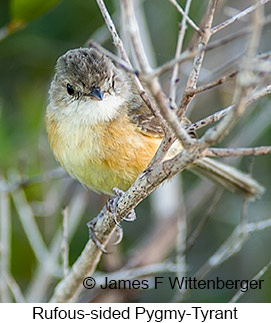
(70, 89)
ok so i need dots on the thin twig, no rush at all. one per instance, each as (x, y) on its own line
(40, 178)
(175, 71)
(152, 82)
(181, 244)
(231, 152)
(195, 234)
(10, 28)
(240, 293)
(47, 271)
(245, 82)
(64, 242)
(27, 219)
(194, 75)
(119, 45)
(184, 57)
(213, 84)
(232, 245)
(184, 13)
(111, 27)
(133, 273)
(222, 113)
(15, 289)
(5, 245)
(240, 15)
(208, 120)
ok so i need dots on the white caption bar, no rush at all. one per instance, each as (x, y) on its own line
(145, 312)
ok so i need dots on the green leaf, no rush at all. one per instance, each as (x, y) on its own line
(22, 11)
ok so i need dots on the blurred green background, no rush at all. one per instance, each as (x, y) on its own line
(27, 59)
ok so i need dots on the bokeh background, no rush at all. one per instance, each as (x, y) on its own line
(31, 194)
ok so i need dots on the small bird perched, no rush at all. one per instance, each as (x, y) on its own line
(103, 134)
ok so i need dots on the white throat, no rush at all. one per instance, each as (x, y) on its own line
(89, 112)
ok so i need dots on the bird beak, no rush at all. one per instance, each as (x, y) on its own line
(96, 93)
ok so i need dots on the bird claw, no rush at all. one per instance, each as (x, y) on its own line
(111, 206)
(119, 232)
(131, 217)
(92, 235)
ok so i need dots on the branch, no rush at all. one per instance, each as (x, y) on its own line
(64, 242)
(194, 75)
(184, 13)
(10, 28)
(5, 245)
(240, 15)
(29, 224)
(105, 225)
(240, 293)
(152, 82)
(119, 45)
(231, 152)
(20, 183)
(175, 71)
(208, 120)
(232, 245)
(245, 83)
(221, 80)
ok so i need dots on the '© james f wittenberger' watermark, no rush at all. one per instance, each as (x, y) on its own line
(175, 283)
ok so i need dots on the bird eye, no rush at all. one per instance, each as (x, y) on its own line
(70, 89)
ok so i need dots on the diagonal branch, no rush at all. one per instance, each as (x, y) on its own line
(194, 75)
(184, 13)
(240, 15)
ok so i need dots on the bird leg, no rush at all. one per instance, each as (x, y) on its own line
(92, 235)
(111, 206)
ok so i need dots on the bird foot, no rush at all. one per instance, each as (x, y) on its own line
(92, 235)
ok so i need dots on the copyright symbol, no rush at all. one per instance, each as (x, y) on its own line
(89, 282)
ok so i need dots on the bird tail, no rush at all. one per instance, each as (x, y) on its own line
(229, 177)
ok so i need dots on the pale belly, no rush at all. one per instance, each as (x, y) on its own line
(100, 158)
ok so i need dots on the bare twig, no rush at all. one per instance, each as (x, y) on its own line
(152, 82)
(194, 75)
(28, 221)
(184, 57)
(240, 293)
(47, 270)
(5, 245)
(13, 186)
(213, 84)
(232, 245)
(184, 13)
(14, 288)
(245, 83)
(111, 26)
(181, 245)
(222, 113)
(195, 234)
(231, 152)
(208, 120)
(119, 45)
(10, 28)
(133, 273)
(175, 71)
(240, 15)
(64, 242)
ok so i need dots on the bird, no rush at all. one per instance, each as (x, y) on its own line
(103, 134)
